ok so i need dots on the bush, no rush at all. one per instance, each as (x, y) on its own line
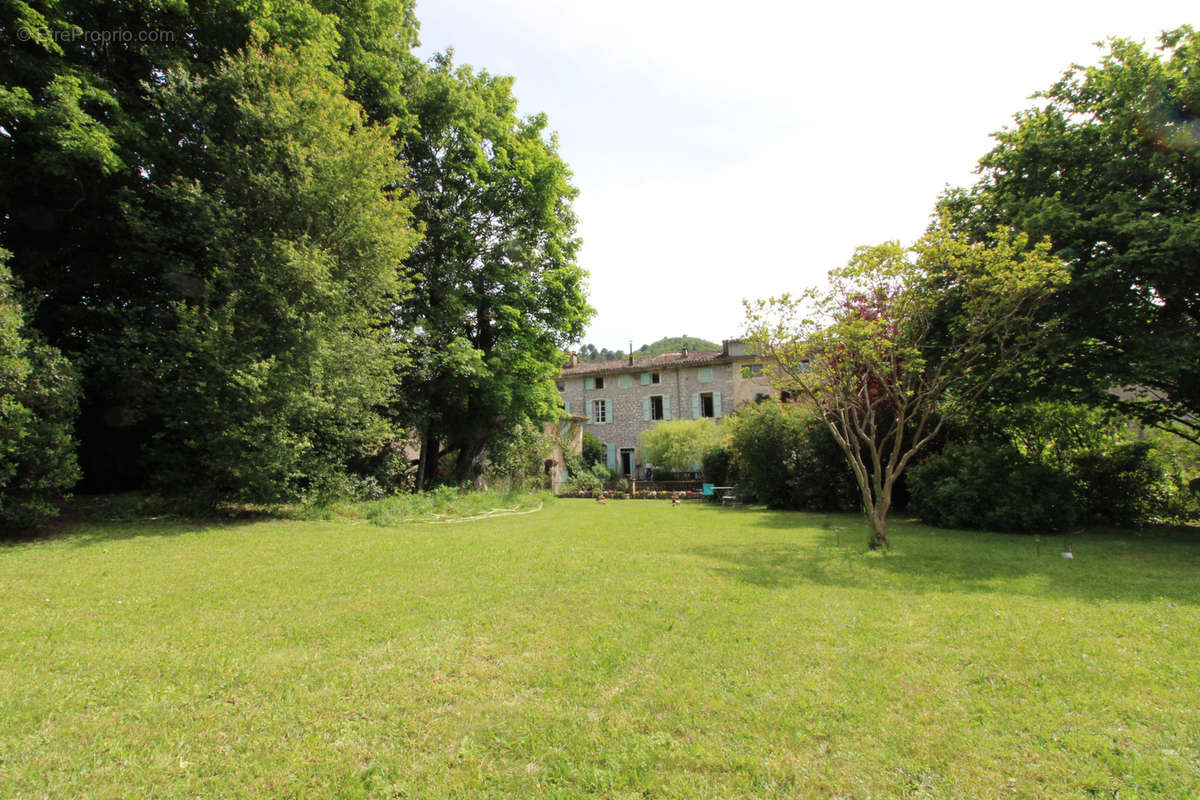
(593, 450)
(786, 458)
(717, 468)
(991, 486)
(39, 399)
(1124, 485)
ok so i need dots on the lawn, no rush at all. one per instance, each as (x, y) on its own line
(632, 650)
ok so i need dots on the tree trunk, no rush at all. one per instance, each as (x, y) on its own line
(427, 463)
(879, 540)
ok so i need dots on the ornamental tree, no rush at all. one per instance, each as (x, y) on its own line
(903, 340)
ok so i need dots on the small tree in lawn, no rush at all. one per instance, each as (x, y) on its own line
(904, 340)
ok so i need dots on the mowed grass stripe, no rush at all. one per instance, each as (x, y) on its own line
(627, 650)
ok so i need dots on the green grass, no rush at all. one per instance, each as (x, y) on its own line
(632, 650)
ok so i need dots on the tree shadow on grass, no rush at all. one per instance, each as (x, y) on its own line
(96, 519)
(1108, 565)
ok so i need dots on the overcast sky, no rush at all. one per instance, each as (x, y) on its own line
(725, 151)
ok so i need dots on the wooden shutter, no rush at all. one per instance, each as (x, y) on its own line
(587, 409)
(567, 406)
(608, 417)
(646, 409)
(612, 457)
(645, 379)
(666, 406)
(705, 374)
(696, 406)
(716, 404)
(589, 384)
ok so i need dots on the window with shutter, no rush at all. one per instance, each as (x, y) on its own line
(645, 379)
(625, 381)
(589, 384)
(706, 374)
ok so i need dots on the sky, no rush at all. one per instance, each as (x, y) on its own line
(727, 151)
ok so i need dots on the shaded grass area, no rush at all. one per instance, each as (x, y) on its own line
(632, 650)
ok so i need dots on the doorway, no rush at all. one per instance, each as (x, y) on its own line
(627, 461)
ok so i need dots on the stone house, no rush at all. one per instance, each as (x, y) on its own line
(620, 399)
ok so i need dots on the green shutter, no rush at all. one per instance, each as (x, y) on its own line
(567, 406)
(645, 379)
(646, 409)
(696, 406)
(666, 406)
(608, 417)
(705, 374)
(612, 457)
(589, 384)
(587, 409)
(624, 381)
(716, 404)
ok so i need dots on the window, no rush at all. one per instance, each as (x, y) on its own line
(624, 381)
(761, 396)
(786, 397)
(752, 371)
(707, 408)
(705, 374)
(656, 407)
(599, 411)
(599, 383)
(562, 385)
(654, 377)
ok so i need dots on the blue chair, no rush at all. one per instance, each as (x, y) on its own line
(706, 489)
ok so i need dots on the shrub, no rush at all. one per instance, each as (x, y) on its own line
(593, 450)
(717, 468)
(1124, 485)
(786, 458)
(39, 399)
(992, 486)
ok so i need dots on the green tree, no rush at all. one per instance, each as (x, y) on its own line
(593, 450)
(873, 359)
(680, 445)
(1107, 165)
(270, 364)
(38, 404)
(499, 295)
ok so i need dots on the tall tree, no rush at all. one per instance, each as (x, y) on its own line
(270, 364)
(882, 368)
(499, 294)
(38, 403)
(1107, 165)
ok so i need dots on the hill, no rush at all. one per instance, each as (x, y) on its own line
(672, 344)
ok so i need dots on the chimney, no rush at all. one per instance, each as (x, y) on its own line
(574, 361)
(683, 352)
(631, 352)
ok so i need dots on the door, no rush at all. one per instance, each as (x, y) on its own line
(627, 461)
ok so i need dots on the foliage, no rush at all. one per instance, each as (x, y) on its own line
(593, 450)
(594, 477)
(499, 295)
(1044, 466)
(269, 375)
(717, 467)
(38, 404)
(785, 457)
(680, 445)
(1106, 165)
(992, 486)
(517, 461)
(906, 339)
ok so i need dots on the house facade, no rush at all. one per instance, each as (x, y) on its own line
(620, 399)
